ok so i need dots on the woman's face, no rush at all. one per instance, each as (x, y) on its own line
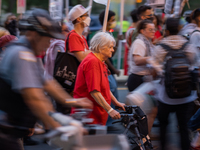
(154, 20)
(149, 31)
(107, 51)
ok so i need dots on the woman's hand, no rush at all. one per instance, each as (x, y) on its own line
(121, 105)
(115, 114)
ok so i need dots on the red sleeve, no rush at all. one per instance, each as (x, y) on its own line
(76, 43)
(93, 76)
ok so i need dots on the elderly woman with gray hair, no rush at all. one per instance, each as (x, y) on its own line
(92, 79)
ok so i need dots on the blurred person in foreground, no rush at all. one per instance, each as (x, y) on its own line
(92, 79)
(22, 88)
(183, 107)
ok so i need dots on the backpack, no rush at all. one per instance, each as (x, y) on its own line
(65, 69)
(178, 78)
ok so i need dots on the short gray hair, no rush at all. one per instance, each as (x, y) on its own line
(100, 40)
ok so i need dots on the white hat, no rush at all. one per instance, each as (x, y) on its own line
(77, 11)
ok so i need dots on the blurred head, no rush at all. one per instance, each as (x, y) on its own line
(111, 22)
(134, 16)
(196, 16)
(103, 43)
(10, 19)
(172, 26)
(79, 15)
(147, 28)
(145, 12)
(156, 21)
(40, 28)
(187, 15)
(65, 29)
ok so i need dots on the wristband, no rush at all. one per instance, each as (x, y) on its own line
(111, 109)
(69, 101)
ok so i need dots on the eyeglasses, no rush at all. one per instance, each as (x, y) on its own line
(151, 30)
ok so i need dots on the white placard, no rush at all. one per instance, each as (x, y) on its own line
(55, 9)
(104, 2)
(21, 6)
(155, 2)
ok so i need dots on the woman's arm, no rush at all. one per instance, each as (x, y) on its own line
(102, 102)
(116, 102)
(139, 60)
(80, 55)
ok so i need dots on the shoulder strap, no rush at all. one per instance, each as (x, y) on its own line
(184, 45)
(168, 48)
(195, 31)
(67, 42)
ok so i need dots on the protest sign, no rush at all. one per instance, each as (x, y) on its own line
(21, 6)
(55, 9)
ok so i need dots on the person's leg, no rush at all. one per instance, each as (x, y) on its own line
(151, 117)
(113, 89)
(134, 81)
(113, 85)
(163, 114)
(183, 113)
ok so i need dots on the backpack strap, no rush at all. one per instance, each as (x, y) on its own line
(169, 48)
(171, 51)
(195, 31)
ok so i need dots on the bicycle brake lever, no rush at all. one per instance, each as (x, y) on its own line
(116, 122)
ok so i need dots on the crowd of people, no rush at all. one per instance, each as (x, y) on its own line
(34, 81)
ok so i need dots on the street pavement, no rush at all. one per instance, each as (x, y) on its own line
(172, 134)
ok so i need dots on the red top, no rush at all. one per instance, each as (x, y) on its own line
(76, 42)
(157, 34)
(93, 75)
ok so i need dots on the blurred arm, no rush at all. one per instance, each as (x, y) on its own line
(55, 90)
(39, 105)
(139, 60)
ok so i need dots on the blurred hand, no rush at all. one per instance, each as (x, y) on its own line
(115, 114)
(121, 105)
(83, 103)
(156, 41)
(117, 72)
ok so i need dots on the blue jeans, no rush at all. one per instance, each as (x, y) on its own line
(113, 85)
(194, 122)
(113, 89)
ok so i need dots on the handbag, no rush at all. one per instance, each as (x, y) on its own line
(65, 69)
